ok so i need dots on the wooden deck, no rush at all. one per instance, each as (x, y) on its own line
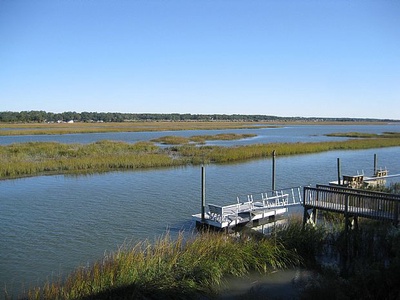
(250, 208)
(351, 202)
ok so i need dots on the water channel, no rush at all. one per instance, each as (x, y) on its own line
(52, 224)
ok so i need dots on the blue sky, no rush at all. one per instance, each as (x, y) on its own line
(284, 58)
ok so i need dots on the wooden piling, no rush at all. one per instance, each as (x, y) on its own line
(203, 193)
(273, 169)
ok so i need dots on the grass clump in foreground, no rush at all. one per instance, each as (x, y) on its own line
(361, 264)
(174, 269)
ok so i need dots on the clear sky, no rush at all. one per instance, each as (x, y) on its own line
(310, 58)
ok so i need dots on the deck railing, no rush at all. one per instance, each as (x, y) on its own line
(355, 202)
(279, 197)
(255, 203)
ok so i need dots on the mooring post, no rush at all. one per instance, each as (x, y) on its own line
(203, 193)
(273, 169)
(338, 171)
(375, 164)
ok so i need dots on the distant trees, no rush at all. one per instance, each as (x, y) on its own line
(42, 116)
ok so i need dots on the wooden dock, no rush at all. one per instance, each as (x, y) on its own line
(251, 208)
(353, 203)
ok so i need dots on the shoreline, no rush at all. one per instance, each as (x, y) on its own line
(16, 129)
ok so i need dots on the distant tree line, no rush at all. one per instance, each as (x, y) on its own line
(34, 116)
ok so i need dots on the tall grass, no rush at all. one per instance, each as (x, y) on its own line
(200, 139)
(369, 266)
(194, 267)
(365, 135)
(34, 158)
(51, 129)
(170, 269)
(217, 154)
(29, 159)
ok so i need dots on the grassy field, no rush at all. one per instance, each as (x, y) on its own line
(81, 127)
(40, 158)
(66, 128)
(201, 139)
(365, 135)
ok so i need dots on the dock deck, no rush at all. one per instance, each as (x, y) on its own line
(255, 207)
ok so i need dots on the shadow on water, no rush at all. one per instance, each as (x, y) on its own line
(282, 284)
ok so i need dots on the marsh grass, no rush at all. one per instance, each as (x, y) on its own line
(64, 128)
(181, 268)
(365, 135)
(28, 159)
(218, 154)
(171, 140)
(369, 266)
(35, 158)
(200, 139)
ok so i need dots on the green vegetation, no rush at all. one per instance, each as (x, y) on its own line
(365, 135)
(171, 269)
(28, 159)
(364, 264)
(217, 154)
(35, 116)
(81, 127)
(368, 265)
(37, 158)
(201, 139)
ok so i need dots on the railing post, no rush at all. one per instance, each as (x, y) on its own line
(396, 213)
(305, 207)
(346, 212)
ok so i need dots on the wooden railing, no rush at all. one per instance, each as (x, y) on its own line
(354, 202)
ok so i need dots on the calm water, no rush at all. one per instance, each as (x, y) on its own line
(52, 224)
(300, 133)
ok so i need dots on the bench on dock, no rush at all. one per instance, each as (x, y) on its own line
(239, 210)
(253, 208)
(223, 213)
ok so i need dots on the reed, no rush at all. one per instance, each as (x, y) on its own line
(170, 268)
(306, 241)
(365, 135)
(216, 154)
(34, 158)
(200, 139)
(368, 268)
(64, 128)
(30, 159)
(171, 140)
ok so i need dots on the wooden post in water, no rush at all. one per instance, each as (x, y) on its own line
(375, 164)
(338, 171)
(203, 193)
(273, 169)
